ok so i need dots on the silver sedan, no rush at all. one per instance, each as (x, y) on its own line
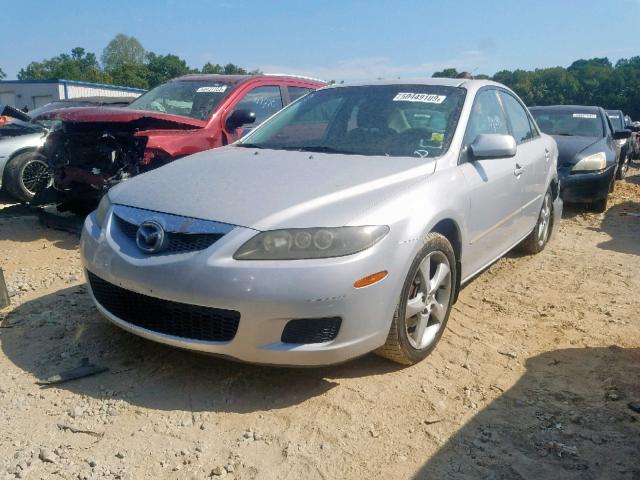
(345, 224)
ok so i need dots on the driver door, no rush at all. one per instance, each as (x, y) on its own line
(264, 101)
(494, 190)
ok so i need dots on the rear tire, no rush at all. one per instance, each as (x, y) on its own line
(539, 236)
(425, 303)
(25, 175)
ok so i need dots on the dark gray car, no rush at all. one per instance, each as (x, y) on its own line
(588, 155)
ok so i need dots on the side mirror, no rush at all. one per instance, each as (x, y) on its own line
(239, 118)
(493, 145)
(621, 134)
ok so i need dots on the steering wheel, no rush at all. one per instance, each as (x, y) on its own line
(415, 139)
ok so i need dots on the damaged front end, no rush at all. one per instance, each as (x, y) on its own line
(87, 158)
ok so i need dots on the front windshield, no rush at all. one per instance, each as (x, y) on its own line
(195, 99)
(616, 120)
(392, 120)
(569, 122)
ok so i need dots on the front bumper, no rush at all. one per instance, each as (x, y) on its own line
(268, 294)
(585, 187)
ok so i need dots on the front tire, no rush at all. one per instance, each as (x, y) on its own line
(539, 236)
(25, 175)
(623, 168)
(601, 205)
(425, 303)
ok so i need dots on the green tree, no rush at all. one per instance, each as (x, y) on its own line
(80, 65)
(211, 68)
(122, 50)
(446, 73)
(165, 67)
(130, 75)
(228, 69)
(2, 74)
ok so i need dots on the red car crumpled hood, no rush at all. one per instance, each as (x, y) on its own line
(119, 115)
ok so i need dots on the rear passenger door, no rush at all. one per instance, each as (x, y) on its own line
(532, 160)
(494, 190)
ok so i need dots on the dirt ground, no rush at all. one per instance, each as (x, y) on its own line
(532, 379)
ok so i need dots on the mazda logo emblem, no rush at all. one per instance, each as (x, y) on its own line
(150, 237)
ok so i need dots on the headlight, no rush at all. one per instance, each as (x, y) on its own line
(594, 162)
(304, 243)
(621, 142)
(103, 209)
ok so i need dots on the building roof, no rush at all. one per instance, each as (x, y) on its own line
(77, 83)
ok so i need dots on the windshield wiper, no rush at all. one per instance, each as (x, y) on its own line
(249, 145)
(317, 148)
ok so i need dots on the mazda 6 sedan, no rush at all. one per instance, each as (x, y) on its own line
(344, 224)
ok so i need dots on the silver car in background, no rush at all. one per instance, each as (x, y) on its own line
(344, 224)
(23, 170)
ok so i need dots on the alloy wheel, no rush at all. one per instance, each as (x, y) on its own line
(35, 176)
(545, 220)
(428, 300)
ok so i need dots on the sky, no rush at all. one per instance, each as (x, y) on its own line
(332, 39)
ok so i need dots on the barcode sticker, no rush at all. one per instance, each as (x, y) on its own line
(420, 97)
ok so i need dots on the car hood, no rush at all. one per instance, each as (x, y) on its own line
(570, 146)
(120, 115)
(267, 189)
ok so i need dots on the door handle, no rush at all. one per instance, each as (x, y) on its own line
(518, 170)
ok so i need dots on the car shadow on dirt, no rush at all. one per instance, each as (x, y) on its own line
(27, 228)
(57, 331)
(567, 417)
(622, 223)
(10, 207)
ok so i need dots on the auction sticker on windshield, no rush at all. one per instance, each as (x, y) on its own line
(216, 89)
(585, 115)
(419, 97)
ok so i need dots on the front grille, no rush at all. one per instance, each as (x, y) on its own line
(164, 316)
(311, 330)
(177, 242)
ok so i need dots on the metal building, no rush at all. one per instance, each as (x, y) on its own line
(35, 93)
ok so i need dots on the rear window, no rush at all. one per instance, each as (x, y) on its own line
(581, 123)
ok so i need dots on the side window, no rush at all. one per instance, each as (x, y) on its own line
(520, 124)
(486, 116)
(609, 126)
(263, 101)
(297, 92)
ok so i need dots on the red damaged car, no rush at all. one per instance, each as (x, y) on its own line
(92, 149)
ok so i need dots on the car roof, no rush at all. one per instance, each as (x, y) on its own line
(566, 108)
(235, 79)
(444, 82)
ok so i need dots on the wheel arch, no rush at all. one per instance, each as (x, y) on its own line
(450, 229)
